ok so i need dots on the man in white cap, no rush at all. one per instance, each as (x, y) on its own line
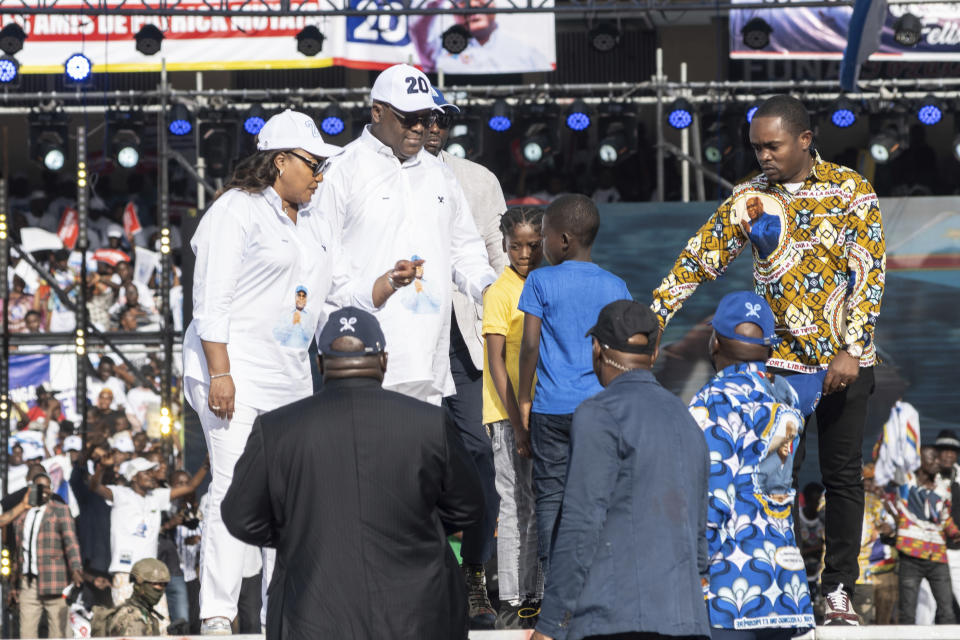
(135, 516)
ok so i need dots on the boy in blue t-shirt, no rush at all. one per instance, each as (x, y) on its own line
(560, 303)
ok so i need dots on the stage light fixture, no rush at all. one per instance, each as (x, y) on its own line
(538, 143)
(756, 33)
(578, 116)
(310, 41)
(148, 39)
(752, 110)
(907, 30)
(126, 146)
(930, 111)
(47, 139)
(53, 153)
(604, 36)
(78, 68)
(11, 38)
(887, 143)
(614, 146)
(618, 122)
(500, 116)
(332, 120)
(718, 144)
(179, 123)
(462, 143)
(843, 113)
(254, 119)
(455, 39)
(535, 149)
(218, 137)
(956, 147)
(680, 115)
(9, 70)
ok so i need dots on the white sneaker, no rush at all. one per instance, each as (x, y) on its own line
(218, 626)
(839, 609)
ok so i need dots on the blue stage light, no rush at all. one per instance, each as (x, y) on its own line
(843, 118)
(680, 115)
(332, 125)
(253, 124)
(578, 116)
(929, 113)
(180, 124)
(78, 67)
(9, 69)
(751, 112)
(500, 116)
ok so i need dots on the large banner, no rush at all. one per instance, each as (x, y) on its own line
(814, 33)
(56, 371)
(500, 43)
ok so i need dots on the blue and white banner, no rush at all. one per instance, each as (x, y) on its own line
(820, 33)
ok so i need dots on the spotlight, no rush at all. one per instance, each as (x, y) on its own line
(500, 117)
(756, 33)
(604, 37)
(126, 148)
(148, 39)
(78, 68)
(619, 128)
(52, 153)
(310, 41)
(887, 144)
(578, 116)
(11, 38)
(537, 145)
(179, 120)
(332, 120)
(462, 143)
(218, 136)
(254, 119)
(907, 30)
(9, 69)
(718, 145)
(455, 39)
(930, 111)
(47, 139)
(680, 115)
(751, 110)
(614, 146)
(843, 113)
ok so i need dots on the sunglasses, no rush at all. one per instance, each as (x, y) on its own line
(410, 120)
(445, 120)
(317, 167)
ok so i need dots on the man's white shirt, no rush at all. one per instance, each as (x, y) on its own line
(388, 211)
(135, 525)
(251, 259)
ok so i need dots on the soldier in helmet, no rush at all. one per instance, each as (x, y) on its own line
(136, 616)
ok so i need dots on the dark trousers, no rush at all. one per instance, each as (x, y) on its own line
(466, 408)
(249, 605)
(840, 419)
(912, 572)
(550, 442)
(753, 634)
(193, 598)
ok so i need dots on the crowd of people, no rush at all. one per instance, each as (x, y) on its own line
(471, 389)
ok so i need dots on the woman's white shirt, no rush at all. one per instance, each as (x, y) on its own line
(252, 261)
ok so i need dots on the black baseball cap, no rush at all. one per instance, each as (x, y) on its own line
(622, 319)
(351, 321)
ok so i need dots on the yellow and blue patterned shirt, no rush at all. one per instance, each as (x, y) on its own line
(819, 260)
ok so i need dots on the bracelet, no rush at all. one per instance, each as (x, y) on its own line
(390, 281)
(220, 375)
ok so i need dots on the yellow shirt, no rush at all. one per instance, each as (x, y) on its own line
(501, 316)
(824, 278)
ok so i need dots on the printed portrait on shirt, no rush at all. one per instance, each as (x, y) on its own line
(423, 295)
(775, 471)
(296, 328)
(762, 217)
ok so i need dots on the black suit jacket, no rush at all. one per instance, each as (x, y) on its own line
(356, 488)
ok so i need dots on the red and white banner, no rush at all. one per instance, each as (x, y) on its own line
(504, 43)
(131, 221)
(69, 228)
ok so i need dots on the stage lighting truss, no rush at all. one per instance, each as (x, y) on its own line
(218, 141)
(253, 119)
(680, 114)
(48, 139)
(756, 33)
(455, 39)
(463, 143)
(907, 30)
(9, 71)
(333, 121)
(11, 38)
(889, 141)
(578, 116)
(843, 113)
(148, 39)
(179, 121)
(619, 127)
(501, 116)
(310, 40)
(78, 69)
(930, 111)
(604, 37)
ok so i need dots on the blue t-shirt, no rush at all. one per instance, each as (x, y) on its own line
(567, 298)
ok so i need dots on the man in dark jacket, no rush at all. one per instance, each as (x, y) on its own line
(629, 549)
(357, 487)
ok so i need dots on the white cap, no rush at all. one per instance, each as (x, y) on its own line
(131, 468)
(122, 442)
(72, 443)
(294, 130)
(405, 88)
(114, 231)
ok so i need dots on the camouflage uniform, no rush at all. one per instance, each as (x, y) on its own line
(134, 618)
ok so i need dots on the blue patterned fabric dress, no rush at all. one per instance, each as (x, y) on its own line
(752, 424)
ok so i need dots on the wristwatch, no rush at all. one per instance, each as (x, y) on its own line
(855, 350)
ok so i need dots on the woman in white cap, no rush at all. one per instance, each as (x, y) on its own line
(259, 246)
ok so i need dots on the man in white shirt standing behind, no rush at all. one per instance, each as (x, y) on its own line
(390, 197)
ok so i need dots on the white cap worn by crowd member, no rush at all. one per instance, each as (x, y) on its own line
(122, 442)
(131, 468)
(405, 88)
(294, 130)
(114, 231)
(72, 443)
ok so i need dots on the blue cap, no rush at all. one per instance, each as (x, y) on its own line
(351, 321)
(441, 102)
(301, 289)
(745, 306)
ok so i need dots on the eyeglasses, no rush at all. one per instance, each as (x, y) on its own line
(317, 167)
(445, 120)
(410, 120)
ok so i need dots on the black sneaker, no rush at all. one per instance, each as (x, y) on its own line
(482, 614)
(528, 613)
(839, 610)
(509, 617)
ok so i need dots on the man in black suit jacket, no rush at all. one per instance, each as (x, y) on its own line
(357, 488)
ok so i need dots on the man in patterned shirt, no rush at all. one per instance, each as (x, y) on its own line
(823, 280)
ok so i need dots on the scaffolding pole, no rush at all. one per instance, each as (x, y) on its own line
(5, 364)
(166, 320)
(82, 315)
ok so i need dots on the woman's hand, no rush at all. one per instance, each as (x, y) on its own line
(222, 396)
